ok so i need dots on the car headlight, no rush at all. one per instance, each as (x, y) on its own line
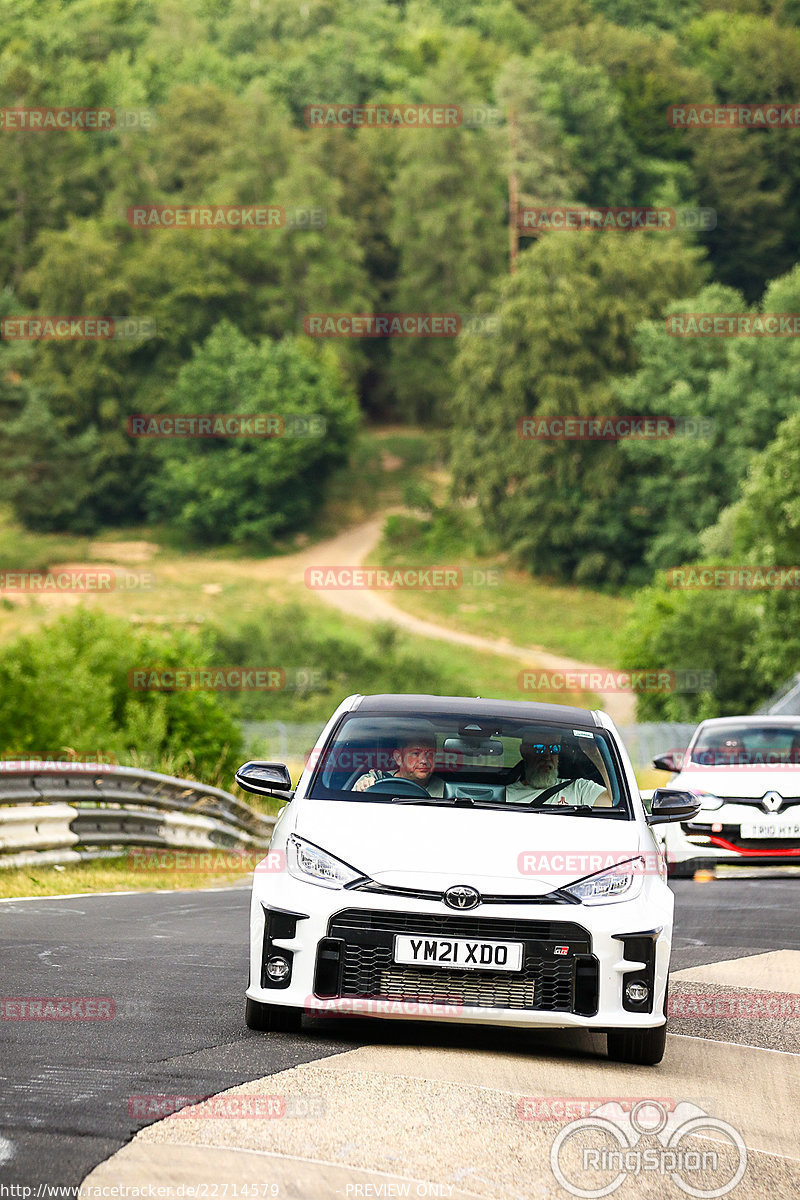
(622, 882)
(308, 862)
(708, 801)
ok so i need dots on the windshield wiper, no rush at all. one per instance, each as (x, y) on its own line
(444, 801)
(416, 800)
(572, 810)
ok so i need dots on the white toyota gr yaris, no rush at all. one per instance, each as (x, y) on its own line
(468, 860)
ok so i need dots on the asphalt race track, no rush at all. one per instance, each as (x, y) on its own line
(175, 965)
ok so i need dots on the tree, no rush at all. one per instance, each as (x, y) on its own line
(448, 224)
(250, 489)
(567, 320)
(697, 632)
(749, 58)
(84, 661)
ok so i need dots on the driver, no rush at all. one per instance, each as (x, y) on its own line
(414, 754)
(540, 756)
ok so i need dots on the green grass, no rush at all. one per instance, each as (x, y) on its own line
(120, 875)
(572, 621)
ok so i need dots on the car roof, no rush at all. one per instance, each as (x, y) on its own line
(755, 719)
(476, 706)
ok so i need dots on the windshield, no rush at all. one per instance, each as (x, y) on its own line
(735, 745)
(463, 762)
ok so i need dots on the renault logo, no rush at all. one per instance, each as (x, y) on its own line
(462, 897)
(772, 802)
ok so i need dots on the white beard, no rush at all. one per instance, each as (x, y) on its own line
(541, 777)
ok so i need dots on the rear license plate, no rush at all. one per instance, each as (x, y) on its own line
(462, 953)
(772, 829)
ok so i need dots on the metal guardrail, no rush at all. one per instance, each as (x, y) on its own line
(65, 812)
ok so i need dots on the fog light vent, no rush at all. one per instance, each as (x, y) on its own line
(277, 969)
(637, 993)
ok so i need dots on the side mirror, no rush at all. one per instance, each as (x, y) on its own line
(672, 761)
(265, 779)
(672, 806)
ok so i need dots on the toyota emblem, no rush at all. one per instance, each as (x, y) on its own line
(462, 897)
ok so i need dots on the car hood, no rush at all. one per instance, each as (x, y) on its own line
(752, 782)
(511, 853)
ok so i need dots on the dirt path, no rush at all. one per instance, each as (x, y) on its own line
(350, 549)
(354, 546)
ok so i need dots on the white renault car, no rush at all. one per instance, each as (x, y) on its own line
(467, 860)
(746, 774)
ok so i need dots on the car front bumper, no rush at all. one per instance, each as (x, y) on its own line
(577, 959)
(720, 837)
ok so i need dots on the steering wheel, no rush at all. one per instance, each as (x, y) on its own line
(399, 787)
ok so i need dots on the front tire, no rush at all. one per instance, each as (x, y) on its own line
(271, 1018)
(640, 1047)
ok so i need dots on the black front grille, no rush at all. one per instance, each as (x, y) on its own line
(447, 925)
(547, 981)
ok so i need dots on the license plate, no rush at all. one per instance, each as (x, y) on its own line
(463, 953)
(771, 829)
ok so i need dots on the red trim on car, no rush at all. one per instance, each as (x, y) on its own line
(766, 853)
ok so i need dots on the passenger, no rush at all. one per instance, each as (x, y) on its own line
(541, 760)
